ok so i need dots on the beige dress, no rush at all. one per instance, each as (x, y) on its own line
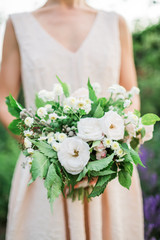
(117, 214)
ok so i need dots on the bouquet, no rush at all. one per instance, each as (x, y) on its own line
(79, 143)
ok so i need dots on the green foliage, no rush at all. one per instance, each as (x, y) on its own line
(64, 86)
(150, 119)
(98, 112)
(92, 94)
(124, 178)
(40, 165)
(45, 148)
(13, 106)
(13, 126)
(39, 102)
(100, 164)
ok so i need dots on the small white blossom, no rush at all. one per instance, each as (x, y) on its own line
(57, 89)
(71, 101)
(135, 91)
(48, 107)
(41, 112)
(117, 89)
(119, 152)
(42, 138)
(50, 140)
(127, 103)
(97, 88)
(107, 142)
(131, 118)
(29, 160)
(62, 117)
(28, 133)
(27, 143)
(56, 136)
(43, 120)
(61, 137)
(115, 146)
(30, 150)
(50, 135)
(53, 116)
(66, 108)
(29, 121)
(56, 146)
(46, 95)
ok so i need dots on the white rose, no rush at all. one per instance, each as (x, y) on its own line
(148, 132)
(74, 155)
(113, 125)
(57, 89)
(27, 143)
(29, 121)
(41, 112)
(89, 129)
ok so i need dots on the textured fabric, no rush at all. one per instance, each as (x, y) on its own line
(117, 214)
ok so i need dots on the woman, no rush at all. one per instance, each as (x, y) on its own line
(74, 41)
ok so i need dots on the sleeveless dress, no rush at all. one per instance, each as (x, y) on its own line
(118, 213)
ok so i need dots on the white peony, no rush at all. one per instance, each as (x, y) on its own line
(27, 143)
(57, 89)
(29, 121)
(89, 129)
(74, 155)
(41, 112)
(113, 125)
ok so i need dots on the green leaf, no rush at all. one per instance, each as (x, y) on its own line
(124, 178)
(45, 148)
(92, 94)
(13, 126)
(64, 86)
(95, 144)
(102, 101)
(40, 165)
(128, 167)
(13, 106)
(136, 158)
(101, 173)
(82, 174)
(53, 185)
(100, 186)
(98, 112)
(143, 132)
(100, 164)
(150, 119)
(39, 102)
(137, 113)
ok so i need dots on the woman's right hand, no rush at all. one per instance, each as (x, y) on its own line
(10, 74)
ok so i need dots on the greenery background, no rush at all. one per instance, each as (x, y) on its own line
(147, 58)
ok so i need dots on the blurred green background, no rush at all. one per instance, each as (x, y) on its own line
(147, 58)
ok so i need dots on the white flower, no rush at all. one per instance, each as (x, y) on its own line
(66, 108)
(50, 135)
(41, 112)
(81, 93)
(120, 96)
(120, 152)
(62, 117)
(28, 133)
(89, 129)
(56, 146)
(53, 116)
(29, 121)
(107, 142)
(43, 120)
(113, 125)
(135, 91)
(148, 132)
(62, 137)
(56, 136)
(131, 118)
(57, 89)
(117, 89)
(71, 101)
(42, 138)
(74, 155)
(30, 150)
(97, 88)
(127, 103)
(27, 143)
(48, 107)
(50, 140)
(46, 95)
(29, 160)
(115, 146)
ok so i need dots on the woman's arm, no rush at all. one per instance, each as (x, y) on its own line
(10, 79)
(128, 77)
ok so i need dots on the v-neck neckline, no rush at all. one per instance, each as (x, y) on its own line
(60, 45)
